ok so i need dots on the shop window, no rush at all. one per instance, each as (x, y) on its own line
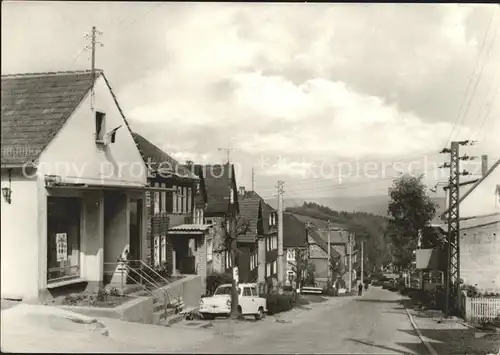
(63, 243)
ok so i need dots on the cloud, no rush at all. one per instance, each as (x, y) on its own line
(301, 81)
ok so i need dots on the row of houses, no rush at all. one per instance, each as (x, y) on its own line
(82, 192)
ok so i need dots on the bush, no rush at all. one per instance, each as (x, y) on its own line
(216, 279)
(279, 303)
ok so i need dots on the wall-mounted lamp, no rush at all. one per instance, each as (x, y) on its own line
(7, 191)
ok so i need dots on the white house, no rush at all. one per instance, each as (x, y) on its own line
(73, 183)
(479, 231)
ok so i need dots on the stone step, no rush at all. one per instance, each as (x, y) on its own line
(160, 315)
(171, 320)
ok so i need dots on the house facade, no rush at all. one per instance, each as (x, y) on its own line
(73, 184)
(339, 250)
(479, 231)
(252, 222)
(295, 240)
(268, 245)
(176, 239)
(218, 188)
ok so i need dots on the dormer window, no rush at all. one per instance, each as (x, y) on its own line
(100, 118)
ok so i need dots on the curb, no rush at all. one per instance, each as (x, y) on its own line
(425, 342)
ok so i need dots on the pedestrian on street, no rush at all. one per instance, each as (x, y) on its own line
(360, 289)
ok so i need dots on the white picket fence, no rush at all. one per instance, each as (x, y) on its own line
(477, 309)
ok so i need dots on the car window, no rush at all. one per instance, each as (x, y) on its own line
(224, 290)
(254, 291)
(246, 291)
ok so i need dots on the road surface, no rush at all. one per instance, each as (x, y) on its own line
(375, 323)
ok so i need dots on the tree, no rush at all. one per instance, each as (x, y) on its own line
(240, 226)
(410, 210)
(300, 266)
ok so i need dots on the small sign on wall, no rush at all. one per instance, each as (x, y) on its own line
(62, 246)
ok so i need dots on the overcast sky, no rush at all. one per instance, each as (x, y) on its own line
(287, 86)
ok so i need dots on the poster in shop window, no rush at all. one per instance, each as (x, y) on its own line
(62, 246)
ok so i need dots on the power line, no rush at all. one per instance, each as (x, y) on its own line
(308, 181)
(481, 72)
(458, 119)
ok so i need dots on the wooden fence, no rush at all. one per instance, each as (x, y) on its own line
(477, 309)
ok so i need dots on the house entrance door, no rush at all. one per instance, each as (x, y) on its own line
(135, 226)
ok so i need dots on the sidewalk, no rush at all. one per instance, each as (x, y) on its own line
(36, 328)
(451, 336)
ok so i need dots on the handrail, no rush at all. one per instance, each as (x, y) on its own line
(148, 278)
(153, 270)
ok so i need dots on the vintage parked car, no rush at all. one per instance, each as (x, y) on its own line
(249, 302)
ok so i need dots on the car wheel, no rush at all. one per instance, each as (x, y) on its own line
(260, 314)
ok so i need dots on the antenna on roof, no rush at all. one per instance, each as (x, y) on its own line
(93, 43)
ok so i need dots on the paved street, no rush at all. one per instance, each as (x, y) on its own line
(375, 323)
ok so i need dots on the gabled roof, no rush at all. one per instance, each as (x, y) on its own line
(216, 180)
(36, 106)
(315, 235)
(249, 212)
(158, 160)
(294, 232)
(476, 184)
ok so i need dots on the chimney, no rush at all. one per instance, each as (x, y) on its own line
(484, 165)
(242, 190)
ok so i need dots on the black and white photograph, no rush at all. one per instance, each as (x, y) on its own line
(250, 177)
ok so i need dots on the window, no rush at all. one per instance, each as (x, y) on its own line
(271, 219)
(156, 253)
(156, 208)
(290, 254)
(163, 199)
(246, 291)
(63, 237)
(189, 198)
(163, 249)
(209, 249)
(268, 269)
(179, 199)
(185, 199)
(100, 118)
(174, 198)
(254, 291)
(209, 221)
(253, 261)
(274, 267)
(268, 244)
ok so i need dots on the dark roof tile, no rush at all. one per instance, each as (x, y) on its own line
(217, 179)
(158, 159)
(34, 109)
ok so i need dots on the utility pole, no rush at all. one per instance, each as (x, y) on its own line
(329, 253)
(228, 153)
(92, 47)
(362, 261)
(349, 247)
(281, 265)
(453, 289)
